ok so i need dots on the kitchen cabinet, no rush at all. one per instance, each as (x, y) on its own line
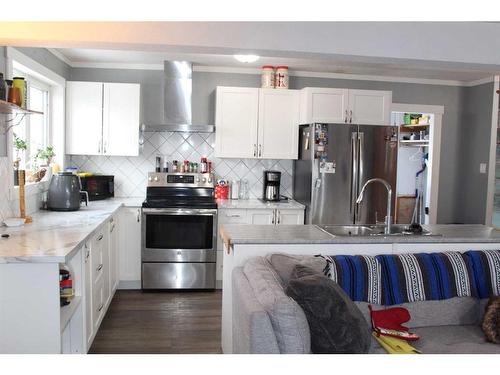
(102, 118)
(255, 216)
(89, 326)
(129, 243)
(331, 105)
(113, 253)
(256, 123)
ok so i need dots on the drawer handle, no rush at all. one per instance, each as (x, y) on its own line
(100, 237)
(100, 307)
(112, 228)
(233, 215)
(87, 254)
(100, 267)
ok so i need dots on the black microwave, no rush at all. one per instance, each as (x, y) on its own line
(99, 186)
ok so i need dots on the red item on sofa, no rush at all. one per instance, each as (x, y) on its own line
(391, 319)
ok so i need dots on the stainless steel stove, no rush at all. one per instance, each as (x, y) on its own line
(179, 232)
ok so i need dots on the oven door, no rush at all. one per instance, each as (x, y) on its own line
(179, 235)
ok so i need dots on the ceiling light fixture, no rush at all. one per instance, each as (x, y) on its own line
(246, 58)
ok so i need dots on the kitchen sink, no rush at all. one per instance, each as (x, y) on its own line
(372, 230)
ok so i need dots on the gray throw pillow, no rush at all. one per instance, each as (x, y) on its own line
(284, 264)
(335, 322)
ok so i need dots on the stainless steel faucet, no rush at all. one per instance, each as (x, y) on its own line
(388, 219)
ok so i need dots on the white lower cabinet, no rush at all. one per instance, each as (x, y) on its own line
(254, 216)
(129, 245)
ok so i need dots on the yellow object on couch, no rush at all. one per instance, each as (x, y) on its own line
(394, 345)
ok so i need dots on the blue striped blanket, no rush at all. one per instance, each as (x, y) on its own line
(396, 279)
(486, 266)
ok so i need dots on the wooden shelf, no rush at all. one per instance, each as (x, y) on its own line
(416, 142)
(12, 109)
(413, 128)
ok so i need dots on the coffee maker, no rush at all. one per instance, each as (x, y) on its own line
(272, 181)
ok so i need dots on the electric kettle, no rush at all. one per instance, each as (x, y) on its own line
(65, 192)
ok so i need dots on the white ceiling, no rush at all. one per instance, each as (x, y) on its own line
(80, 57)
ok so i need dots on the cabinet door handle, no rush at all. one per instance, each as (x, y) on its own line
(112, 228)
(254, 150)
(100, 267)
(274, 217)
(138, 216)
(278, 220)
(100, 307)
(105, 143)
(350, 117)
(260, 150)
(99, 147)
(87, 254)
(100, 237)
(345, 116)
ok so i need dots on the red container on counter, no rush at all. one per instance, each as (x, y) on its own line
(221, 192)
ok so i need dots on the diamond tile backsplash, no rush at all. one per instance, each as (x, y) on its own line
(131, 171)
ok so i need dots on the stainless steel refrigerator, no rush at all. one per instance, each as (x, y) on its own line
(335, 160)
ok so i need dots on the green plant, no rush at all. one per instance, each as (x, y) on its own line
(20, 145)
(45, 154)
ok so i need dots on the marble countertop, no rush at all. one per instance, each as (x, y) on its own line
(53, 236)
(312, 234)
(257, 203)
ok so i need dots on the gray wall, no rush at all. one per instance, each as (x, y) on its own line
(47, 59)
(474, 148)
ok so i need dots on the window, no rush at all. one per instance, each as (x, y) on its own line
(33, 129)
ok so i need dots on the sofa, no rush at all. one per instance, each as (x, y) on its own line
(266, 320)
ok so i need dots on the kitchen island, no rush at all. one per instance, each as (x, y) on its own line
(245, 241)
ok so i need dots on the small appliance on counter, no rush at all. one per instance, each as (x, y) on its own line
(272, 181)
(65, 192)
(98, 186)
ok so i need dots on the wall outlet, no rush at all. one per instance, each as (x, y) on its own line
(482, 167)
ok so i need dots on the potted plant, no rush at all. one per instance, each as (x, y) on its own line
(45, 156)
(20, 145)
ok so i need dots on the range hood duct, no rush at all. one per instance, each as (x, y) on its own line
(177, 106)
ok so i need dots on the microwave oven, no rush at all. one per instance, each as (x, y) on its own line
(99, 186)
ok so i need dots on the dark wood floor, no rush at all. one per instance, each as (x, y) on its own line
(161, 322)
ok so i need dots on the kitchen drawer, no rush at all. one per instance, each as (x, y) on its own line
(232, 216)
(97, 259)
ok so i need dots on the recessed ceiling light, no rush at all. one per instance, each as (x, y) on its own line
(246, 58)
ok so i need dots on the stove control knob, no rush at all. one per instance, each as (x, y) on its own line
(156, 178)
(197, 179)
(210, 180)
(150, 178)
(203, 180)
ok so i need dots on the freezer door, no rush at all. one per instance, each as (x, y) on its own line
(377, 158)
(302, 169)
(331, 201)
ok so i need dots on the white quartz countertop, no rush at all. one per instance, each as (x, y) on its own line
(300, 234)
(53, 236)
(243, 204)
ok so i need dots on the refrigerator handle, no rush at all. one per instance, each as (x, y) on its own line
(354, 174)
(361, 174)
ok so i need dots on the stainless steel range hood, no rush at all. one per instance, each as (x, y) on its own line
(177, 107)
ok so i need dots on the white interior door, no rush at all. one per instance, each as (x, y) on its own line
(121, 119)
(370, 107)
(84, 118)
(236, 122)
(279, 112)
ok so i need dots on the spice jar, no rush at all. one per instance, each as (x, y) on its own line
(267, 77)
(281, 77)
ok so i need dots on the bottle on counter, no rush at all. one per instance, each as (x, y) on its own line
(235, 189)
(175, 166)
(203, 165)
(165, 165)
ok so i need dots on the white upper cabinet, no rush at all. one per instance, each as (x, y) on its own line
(84, 117)
(325, 105)
(102, 118)
(256, 123)
(121, 119)
(279, 112)
(236, 117)
(370, 107)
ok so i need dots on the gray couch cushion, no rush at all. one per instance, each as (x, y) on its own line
(465, 339)
(453, 311)
(284, 264)
(287, 318)
(252, 328)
